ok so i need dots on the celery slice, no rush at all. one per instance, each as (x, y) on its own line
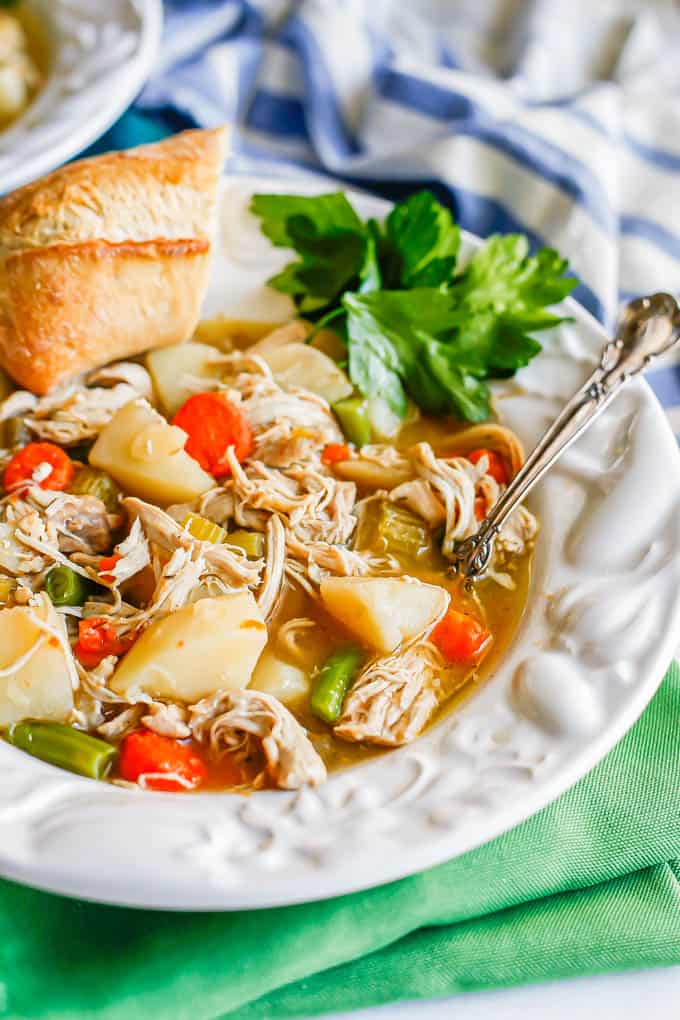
(252, 542)
(353, 415)
(91, 481)
(203, 529)
(395, 531)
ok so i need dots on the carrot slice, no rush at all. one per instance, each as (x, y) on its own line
(42, 464)
(97, 638)
(213, 424)
(335, 452)
(461, 638)
(106, 564)
(144, 753)
(497, 467)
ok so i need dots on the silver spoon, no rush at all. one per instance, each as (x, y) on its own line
(649, 326)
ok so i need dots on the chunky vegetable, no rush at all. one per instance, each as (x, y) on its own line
(333, 682)
(65, 587)
(275, 676)
(213, 643)
(88, 481)
(107, 566)
(213, 424)
(497, 467)
(97, 638)
(160, 762)
(146, 457)
(173, 369)
(382, 612)
(353, 415)
(65, 747)
(461, 638)
(42, 464)
(252, 542)
(203, 529)
(306, 367)
(371, 474)
(8, 586)
(335, 452)
(395, 531)
(35, 680)
(415, 321)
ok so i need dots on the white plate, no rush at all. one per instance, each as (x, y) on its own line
(101, 52)
(601, 627)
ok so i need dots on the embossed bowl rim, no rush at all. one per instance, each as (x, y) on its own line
(482, 770)
(99, 104)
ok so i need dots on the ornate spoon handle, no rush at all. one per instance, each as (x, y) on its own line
(648, 327)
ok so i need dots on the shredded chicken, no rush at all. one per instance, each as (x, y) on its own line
(74, 413)
(393, 698)
(236, 720)
(274, 568)
(120, 725)
(517, 534)
(82, 522)
(167, 720)
(130, 372)
(291, 637)
(230, 565)
(420, 497)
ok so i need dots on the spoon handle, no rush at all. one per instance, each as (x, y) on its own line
(648, 327)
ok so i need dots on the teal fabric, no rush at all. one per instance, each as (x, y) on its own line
(588, 885)
(135, 128)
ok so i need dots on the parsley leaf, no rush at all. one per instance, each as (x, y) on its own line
(415, 324)
(395, 349)
(420, 243)
(329, 239)
(327, 212)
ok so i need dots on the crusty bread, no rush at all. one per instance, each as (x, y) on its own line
(107, 257)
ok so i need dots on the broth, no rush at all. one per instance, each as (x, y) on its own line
(501, 608)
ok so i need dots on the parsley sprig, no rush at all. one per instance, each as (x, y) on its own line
(415, 322)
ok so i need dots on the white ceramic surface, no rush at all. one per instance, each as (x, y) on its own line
(101, 53)
(601, 627)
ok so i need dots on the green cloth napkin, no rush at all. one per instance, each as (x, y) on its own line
(590, 884)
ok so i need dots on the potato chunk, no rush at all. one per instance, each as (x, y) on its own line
(210, 645)
(41, 688)
(279, 678)
(146, 457)
(308, 368)
(170, 368)
(383, 611)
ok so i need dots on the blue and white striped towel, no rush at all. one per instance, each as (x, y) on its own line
(558, 118)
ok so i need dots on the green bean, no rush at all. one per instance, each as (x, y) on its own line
(64, 746)
(252, 542)
(353, 415)
(333, 682)
(65, 587)
(91, 481)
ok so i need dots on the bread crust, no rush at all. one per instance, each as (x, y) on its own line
(106, 258)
